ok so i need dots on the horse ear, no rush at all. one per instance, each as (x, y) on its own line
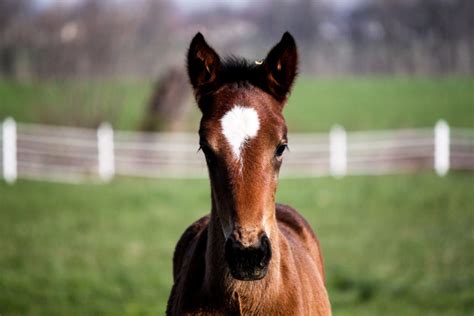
(281, 66)
(203, 63)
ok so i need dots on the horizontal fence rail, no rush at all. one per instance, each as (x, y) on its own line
(77, 154)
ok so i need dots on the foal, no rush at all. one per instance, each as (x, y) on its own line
(250, 256)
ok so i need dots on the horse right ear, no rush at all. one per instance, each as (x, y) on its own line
(203, 64)
(281, 66)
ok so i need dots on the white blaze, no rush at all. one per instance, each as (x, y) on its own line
(239, 125)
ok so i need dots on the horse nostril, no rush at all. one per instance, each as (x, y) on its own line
(266, 249)
(248, 263)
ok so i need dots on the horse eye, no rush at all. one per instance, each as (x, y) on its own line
(203, 148)
(208, 153)
(280, 150)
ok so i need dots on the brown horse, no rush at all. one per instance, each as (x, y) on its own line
(250, 256)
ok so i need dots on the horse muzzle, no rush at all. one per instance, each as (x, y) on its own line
(248, 263)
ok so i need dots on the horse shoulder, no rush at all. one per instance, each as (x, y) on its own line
(293, 223)
(186, 242)
(192, 240)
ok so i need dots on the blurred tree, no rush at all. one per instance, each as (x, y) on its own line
(13, 13)
(417, 36)
(141, 38)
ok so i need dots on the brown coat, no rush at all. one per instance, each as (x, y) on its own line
(293, 286)
(249, 256)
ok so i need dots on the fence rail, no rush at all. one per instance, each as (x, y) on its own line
(77, 154)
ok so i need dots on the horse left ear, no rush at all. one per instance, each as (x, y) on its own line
(203, 64)
(281, 67)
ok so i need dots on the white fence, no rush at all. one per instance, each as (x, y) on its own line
(75, 154)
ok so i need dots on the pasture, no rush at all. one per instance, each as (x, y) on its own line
(315, 104)
(393, 245)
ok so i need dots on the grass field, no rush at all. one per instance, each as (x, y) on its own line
(315, 104)
(393, 245)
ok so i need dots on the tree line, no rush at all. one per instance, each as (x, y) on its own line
(143, 38)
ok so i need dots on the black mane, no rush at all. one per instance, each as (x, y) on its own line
(240, 70)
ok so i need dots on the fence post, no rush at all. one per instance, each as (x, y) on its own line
(105, 149)
(441, 148)
(338, 151)
(9, 150)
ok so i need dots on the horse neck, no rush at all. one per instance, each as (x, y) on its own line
(217, 276)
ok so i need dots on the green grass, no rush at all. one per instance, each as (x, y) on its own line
(70, 103)
(393, 245)
(380, 103)
(315, 104)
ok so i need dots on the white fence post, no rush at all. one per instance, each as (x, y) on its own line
(105, 149)
(9, 150)
(441, 148)
(338, 151)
